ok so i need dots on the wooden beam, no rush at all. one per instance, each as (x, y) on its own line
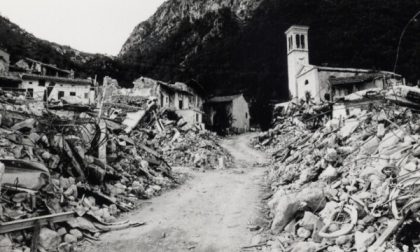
(393, 225)
(11, 226)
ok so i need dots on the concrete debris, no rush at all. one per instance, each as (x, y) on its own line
(5, 243)
(362, 240)
(348, 183)
(24, 173)
(49, 239)
(92, 162)
(68, 238)
(305, 247)
(285, 207)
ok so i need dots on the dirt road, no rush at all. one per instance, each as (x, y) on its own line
(210, 212)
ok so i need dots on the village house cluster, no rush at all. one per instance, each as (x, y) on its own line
(44, 82)
(39, 81)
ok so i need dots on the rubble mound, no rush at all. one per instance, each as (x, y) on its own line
(351, 184)
(75, 171)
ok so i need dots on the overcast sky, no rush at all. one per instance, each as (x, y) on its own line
(95, 26)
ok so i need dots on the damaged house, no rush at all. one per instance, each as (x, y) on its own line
(45, 82)
(319, 82)
(353, 94)
(184, 100)
(36, 67)
(343, 86)
(228, 113)
(7, 80)
(51, 88)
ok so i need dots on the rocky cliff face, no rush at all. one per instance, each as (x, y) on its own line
(169, 18)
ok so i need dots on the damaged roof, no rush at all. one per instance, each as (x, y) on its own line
(48, 65)
(56, 79)
(357, 79)
(228, 98)
(10, 78)
(176, 88)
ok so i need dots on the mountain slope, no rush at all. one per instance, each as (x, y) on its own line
(232, 47)
(20, 44)
(170, 16)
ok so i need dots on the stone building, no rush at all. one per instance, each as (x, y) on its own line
(228, 113)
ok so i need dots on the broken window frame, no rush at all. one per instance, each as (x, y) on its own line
(30, 93)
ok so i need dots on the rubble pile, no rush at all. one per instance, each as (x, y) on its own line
(194, 148)
(67, 174)
(181, 144)
(349, 185)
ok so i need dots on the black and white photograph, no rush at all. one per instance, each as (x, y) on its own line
(210, 126)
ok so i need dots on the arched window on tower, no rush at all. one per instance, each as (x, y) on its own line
(302, 41)
(297, 41)
(290, 43)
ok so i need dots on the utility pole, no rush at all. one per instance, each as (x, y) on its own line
(102, 124)
(401, 37)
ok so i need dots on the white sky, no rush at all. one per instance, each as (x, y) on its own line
(95, 26)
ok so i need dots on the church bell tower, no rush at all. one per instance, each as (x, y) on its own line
(297, 54)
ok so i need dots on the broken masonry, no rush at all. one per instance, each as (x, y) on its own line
(349, 183)
(67, 171)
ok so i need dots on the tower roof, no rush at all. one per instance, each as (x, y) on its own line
(300, 28)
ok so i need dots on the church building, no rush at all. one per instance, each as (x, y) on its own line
(317, 81)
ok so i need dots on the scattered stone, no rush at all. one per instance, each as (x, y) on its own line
(76, 233)
(61, 231)
(49, 239)
(344, 239)
(5, 244)
(286, 206)
(303, 233)
(305, 247)
(363, 240)
(329, 174)
(68, 238)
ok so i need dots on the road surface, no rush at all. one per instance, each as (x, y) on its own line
(210, 212)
